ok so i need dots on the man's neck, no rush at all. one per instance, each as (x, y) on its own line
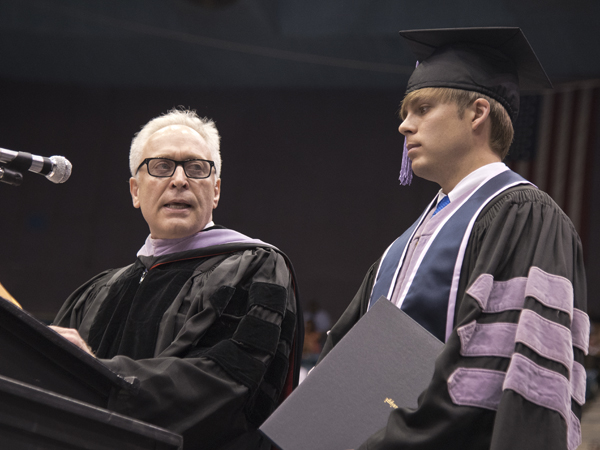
(470, 165)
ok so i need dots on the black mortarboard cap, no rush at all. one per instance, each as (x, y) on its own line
(495, 61)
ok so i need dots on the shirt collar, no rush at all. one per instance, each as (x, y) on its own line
(473, 180)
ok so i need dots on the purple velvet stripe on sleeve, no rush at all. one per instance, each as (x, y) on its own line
(550, 290)
(580, 328)
(481, 388)
(539, 385)
(573, 432)
(544, 388)
(496, 296)
(578, 377)
(492, 339)
(548, 339)
(481, 289)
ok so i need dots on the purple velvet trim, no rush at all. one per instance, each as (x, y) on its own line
(225, 236)
(406, 173)
(492, 339)
(539, 385)
(476, 387)
(548, 339)
(481, 289)
(496, 296)
(580, 329)
(578, 377)
(550, 290)
(573, 432)
(209, 238)
(547, 389)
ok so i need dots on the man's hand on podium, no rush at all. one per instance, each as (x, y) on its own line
(72, 335)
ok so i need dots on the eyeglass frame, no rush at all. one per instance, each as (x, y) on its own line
(177, 164)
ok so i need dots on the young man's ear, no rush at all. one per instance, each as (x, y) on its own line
(481, 111)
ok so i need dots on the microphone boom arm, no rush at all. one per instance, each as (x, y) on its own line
(10, 176)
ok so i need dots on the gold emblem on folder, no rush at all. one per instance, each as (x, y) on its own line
(391, 402)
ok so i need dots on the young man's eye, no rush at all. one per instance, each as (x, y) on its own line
(423, 109)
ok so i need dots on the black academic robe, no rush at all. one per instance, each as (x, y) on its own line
(208, 333)
(519, 230)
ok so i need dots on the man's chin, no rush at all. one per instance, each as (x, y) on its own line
(421, 171)
(418, 170)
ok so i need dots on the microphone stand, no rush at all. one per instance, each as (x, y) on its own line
(12, 172)
(10, 175)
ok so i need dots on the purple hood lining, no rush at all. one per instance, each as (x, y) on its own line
(203, 239)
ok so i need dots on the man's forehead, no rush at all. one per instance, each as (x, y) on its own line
(175, 129)
(176, 138)
(413, 99)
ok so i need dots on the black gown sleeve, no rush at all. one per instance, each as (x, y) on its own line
(355, 310)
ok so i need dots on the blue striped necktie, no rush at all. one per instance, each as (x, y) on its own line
(441, 205)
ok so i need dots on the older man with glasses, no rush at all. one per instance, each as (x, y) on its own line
(206, 318)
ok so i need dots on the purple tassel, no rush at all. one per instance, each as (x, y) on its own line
(406, 173)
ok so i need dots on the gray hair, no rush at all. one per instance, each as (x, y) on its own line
(204, 126)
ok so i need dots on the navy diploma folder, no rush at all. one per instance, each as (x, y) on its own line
(384, 362)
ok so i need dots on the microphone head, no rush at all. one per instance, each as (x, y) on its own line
(61, 169)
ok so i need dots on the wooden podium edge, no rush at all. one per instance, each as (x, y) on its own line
(6, 296)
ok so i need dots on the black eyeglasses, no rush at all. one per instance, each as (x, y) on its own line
(165, 167)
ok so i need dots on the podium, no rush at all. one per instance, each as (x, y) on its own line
(53, 395)
(34, 354)
(34, 418)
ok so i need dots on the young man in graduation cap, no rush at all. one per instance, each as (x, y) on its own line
(493, 267)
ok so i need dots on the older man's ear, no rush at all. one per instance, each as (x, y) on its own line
(133, 189)
(217, 193)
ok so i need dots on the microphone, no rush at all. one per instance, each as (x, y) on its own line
(56, 168)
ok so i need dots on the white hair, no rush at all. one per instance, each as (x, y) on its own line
(204, 126)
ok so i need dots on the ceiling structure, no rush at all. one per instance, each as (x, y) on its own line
(301, 90)
(269, 43)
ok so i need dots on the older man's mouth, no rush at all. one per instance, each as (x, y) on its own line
(175, 205)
